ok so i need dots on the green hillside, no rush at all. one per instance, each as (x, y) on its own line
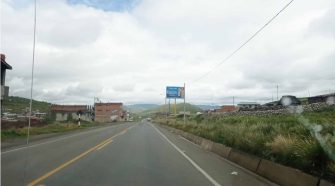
(15, 104)
(179, 107)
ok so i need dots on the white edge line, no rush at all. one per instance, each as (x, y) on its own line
(188, 158)
(58, 139)
(181, 137)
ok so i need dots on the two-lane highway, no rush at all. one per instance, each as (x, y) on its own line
(126, 154)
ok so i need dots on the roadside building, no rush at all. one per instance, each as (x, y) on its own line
(181, 114)
(248, 105)
(186, 113)
(71, 112)
(271, 104)
(109, 112)
(40, 114)
(325, 98)
(4, 89)
(226, 108)
(289, 100)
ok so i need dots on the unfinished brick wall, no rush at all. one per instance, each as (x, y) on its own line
(107, 112)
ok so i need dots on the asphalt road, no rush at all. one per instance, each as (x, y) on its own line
(126, 154)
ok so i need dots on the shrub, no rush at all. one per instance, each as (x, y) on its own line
(281, 138)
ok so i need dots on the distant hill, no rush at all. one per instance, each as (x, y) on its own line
(208, 107)
(179, 107)
(140, 107)
(15, 104)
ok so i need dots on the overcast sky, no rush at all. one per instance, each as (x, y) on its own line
(130, 50)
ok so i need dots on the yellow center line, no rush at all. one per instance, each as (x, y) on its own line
(103, 145)
(100, 145)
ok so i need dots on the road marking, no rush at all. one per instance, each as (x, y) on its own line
(188, 158)
(181, 137)
(103, 145)
(45, 176)
(58, 139)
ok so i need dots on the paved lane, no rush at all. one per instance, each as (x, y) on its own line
(137, 154)
(45, 155)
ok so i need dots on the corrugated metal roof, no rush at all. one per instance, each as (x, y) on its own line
(69, 108)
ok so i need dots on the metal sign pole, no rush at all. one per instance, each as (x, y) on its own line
(175, 106)
(166, 110)
(184, 105)
(169, 106)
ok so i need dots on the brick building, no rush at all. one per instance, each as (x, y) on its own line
(109, 112)
(67, 112)
(226, 108)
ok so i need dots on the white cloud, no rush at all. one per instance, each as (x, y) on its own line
(84, 52)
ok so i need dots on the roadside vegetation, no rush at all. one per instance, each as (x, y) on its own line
(56, 127)
(280, 138)
(47, 125)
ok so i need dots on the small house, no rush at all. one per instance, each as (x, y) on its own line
(248, 105)
(71, 112)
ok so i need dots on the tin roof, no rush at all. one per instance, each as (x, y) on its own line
(68, 108)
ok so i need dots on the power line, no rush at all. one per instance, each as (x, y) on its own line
(244, 43)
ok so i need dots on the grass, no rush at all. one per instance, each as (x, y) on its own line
(56, 127)
(283, 139)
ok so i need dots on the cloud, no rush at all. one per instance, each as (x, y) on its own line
(324, 25)
(118, 54)
(107, 5)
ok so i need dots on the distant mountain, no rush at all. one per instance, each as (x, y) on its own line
(208, 107)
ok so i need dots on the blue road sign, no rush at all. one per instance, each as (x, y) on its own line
(175, 92)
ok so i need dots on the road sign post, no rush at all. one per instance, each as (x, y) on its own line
(175, 106)
(184, 105)
(166, 111)
(175, 93)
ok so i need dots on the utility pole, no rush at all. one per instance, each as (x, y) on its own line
(277, 93)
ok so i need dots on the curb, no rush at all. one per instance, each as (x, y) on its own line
(285, 175)
(275, 172)
(245, 160)
(221, 150)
